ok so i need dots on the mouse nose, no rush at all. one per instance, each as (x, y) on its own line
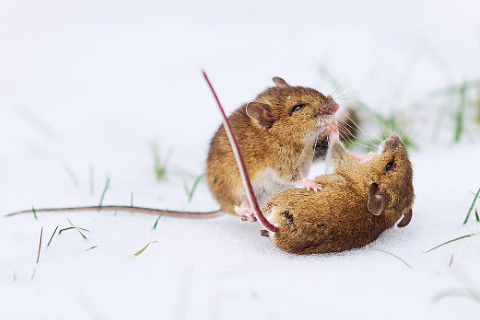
(332, 107)
(394, 138)
(392, 142)
(329, 109)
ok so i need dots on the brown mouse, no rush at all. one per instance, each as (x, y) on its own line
(358, 201)
(276, 134)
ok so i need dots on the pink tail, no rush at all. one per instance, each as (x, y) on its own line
(241, 165)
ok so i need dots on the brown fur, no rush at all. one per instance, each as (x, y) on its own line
(337, 218)
(269, 136)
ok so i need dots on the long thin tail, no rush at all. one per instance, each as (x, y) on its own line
(172, 213)
(241, 165)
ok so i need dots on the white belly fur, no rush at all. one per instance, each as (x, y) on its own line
(266, 183)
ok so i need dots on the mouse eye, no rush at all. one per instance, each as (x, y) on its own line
(389, 166)
(297, 107)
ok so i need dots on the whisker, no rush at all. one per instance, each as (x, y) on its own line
(360, 129)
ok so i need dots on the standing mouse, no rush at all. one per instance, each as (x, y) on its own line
(358, 201)
(276, 134)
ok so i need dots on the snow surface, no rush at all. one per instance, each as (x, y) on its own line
(87, 87)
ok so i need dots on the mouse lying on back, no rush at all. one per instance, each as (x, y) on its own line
(358, 201)
(276, 134)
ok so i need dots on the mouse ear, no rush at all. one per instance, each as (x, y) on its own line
(376, 200)
(280, 82)
(260, 112)
(406, 219)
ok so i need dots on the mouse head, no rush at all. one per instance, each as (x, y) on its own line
(294, 114)
(389, 181)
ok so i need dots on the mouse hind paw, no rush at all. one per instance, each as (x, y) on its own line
(246, 214)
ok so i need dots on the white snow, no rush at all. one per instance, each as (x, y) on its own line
(88, 86)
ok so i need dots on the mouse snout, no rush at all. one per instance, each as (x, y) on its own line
(393, 137)
(391, 143)
(330, 108)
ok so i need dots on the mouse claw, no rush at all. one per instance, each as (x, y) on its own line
(246, 214)
(310, 185)
(264, 233)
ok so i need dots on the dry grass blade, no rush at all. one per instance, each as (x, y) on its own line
(451, 261)
(450, 241)
(40, 245)
(457, 293)
(139, 252)
(51, 238)
(395, 256)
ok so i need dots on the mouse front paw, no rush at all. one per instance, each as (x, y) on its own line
(332, 130)
(246, 214)
(310, 185)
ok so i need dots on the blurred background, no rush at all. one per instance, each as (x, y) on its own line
(105, 101)
(113, 86)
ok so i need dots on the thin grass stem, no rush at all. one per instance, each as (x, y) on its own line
(104, 191)
(40, 245)
(471, 207)
(395, 256)
(51, 238)
(139, 252)
(156, 221)
(450, 241)
(72, 175)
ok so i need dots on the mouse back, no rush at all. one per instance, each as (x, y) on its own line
(358, 201)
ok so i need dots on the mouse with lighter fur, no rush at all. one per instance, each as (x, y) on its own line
(276, 134)
(358, 201)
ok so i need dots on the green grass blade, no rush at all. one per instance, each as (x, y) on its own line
(478, 105)
(139, 252)
(471, 207)
(459, 115)
(156, 221)
(66, 229)
(72, 175)
(75, 228)
(195, 184)
(34, 213)
(104, 191)
(83, 236)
